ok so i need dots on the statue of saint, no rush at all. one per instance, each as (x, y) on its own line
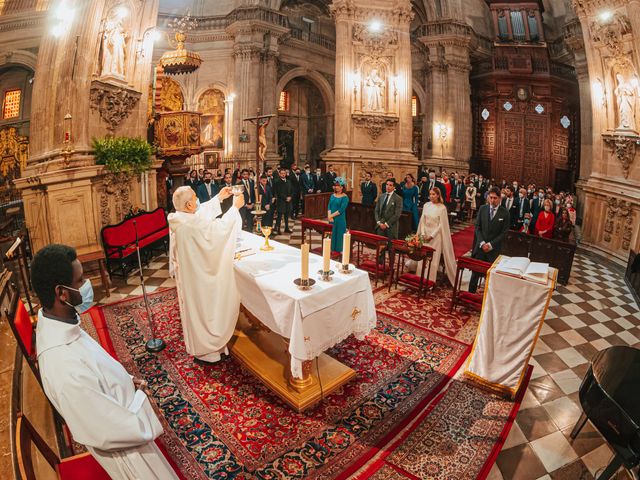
(374, 92)
(262, 139)
(626, 98)
(113, 49)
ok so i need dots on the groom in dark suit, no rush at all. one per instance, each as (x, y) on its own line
(492, 224)
(387, 212)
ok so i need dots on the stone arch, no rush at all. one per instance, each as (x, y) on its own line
(314, 77)
(18, 58)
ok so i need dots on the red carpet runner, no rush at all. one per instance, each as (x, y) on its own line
(220, 422)
(463, 241)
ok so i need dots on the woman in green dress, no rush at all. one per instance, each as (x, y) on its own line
(336, 214)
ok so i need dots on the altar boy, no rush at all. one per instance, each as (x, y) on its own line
(105, 408)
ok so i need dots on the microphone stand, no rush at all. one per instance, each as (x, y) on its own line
(154, 344)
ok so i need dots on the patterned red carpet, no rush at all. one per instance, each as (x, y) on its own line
(220, 422)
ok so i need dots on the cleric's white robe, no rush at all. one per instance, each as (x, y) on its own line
(201, 251)
(434, 223)
(97, 399)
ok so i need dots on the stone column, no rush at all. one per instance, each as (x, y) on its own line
(373, 122)
(610, 173)
(74, 100)
(448, 43)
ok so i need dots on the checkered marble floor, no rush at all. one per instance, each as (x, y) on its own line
(594, 311)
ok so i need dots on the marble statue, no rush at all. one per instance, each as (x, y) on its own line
(626, 98)
(374, 92)
(113, 49)
(262, 141)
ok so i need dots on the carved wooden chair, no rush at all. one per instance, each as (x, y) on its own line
(419, 281)
(377, 243)
(474, 300)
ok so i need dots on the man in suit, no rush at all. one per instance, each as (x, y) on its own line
(492, 224)
(207, 189)
(369, 190)
(509, 202)
(249, 199)
(269, 172)
(433, 183)
(266, 201)
(481, 188)
(192, 181)
(387, 213)
(523, 209)
(283, 193)
(307, 183)
(423, 189)
(458, 194)
(383, 185)
(537, 206)
(329, 179)
(296, 183)
(319, 181)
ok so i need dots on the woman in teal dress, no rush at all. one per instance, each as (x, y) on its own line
(410, 198)
(337, 214)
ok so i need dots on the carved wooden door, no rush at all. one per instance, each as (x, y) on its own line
(510, 147)
(536, 150)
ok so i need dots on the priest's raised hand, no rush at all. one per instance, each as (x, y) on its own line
(201, 252)
(103, 407)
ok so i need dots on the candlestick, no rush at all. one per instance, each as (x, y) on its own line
(326, 254)
(346, 248)
(305, 261)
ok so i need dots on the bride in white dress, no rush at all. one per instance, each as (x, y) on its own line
(434, 226)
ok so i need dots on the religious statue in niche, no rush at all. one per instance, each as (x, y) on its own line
(374, 86)
(114, 42)
(626, 97)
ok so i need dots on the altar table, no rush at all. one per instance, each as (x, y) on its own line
(307, 323)
(513, 312)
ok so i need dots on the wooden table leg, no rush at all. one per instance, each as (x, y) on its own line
(104, 276)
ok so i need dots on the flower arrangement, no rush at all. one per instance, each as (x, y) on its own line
(415, 240)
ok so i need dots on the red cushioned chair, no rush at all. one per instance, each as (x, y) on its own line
(378, 243)
(323, 228)
(474, 300)
(77, 467)
(400, 251)
(22, 327)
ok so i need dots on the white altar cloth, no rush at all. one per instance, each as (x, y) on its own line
(513, 311)
(313, 320)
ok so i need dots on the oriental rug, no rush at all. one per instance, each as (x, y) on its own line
(457, 437)
(221, 422)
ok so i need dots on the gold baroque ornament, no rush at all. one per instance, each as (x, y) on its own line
(374, 124)
(611, 33)
(116, 186)
(114, 103)
(14, 150)
(171, 98)
(624, 148)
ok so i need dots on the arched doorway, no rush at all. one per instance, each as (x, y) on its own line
(305, 117)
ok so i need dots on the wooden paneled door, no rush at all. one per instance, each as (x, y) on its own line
(523, 148)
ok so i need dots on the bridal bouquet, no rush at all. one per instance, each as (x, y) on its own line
(415, 240)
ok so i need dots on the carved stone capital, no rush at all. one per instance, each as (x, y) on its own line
(374, 124)
(611, 34)
(619, 217)
(624, 148)
(113, 102)
(115, 186)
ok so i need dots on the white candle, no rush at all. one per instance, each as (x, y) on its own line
(326, 254)
(305, 262)
(346, 248)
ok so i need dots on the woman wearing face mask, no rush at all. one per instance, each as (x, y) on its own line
(571, 210)
(546, 220)
(470, 195)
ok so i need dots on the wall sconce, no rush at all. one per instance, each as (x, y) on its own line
(67, 128)
(231, 97)
(599, 93)
(395, 88)
(355, 80)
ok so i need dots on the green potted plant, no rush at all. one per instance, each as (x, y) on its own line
(123, 154)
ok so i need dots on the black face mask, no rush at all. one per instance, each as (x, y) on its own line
(208, 180)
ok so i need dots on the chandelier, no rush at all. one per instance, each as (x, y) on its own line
(180, 60)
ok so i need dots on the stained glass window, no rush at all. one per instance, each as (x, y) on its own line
(11, 105)
(507, 106)
(565, 122)
(414, 106)
(283, 103)
(485, 114)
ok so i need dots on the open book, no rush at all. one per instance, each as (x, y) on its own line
(522, 267)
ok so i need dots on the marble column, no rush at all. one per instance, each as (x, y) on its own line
(373, 122)
(75, 100)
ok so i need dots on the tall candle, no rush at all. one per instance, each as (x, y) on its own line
(305, 262)
(326, 254)
(346, 248)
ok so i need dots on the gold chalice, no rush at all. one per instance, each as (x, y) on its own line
(266, 231)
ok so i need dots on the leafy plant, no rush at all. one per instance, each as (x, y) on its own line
(123, 154)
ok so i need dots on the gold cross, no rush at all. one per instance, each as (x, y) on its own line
(356, 313)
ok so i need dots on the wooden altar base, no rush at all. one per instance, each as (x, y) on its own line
(265, 354)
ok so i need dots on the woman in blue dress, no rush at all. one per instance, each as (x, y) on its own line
(337, 214)
(410, 198)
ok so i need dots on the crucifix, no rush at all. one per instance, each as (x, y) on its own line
(261, 122)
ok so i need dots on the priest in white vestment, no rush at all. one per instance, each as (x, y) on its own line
(434, 226)
(201, 253)
(105, 408)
